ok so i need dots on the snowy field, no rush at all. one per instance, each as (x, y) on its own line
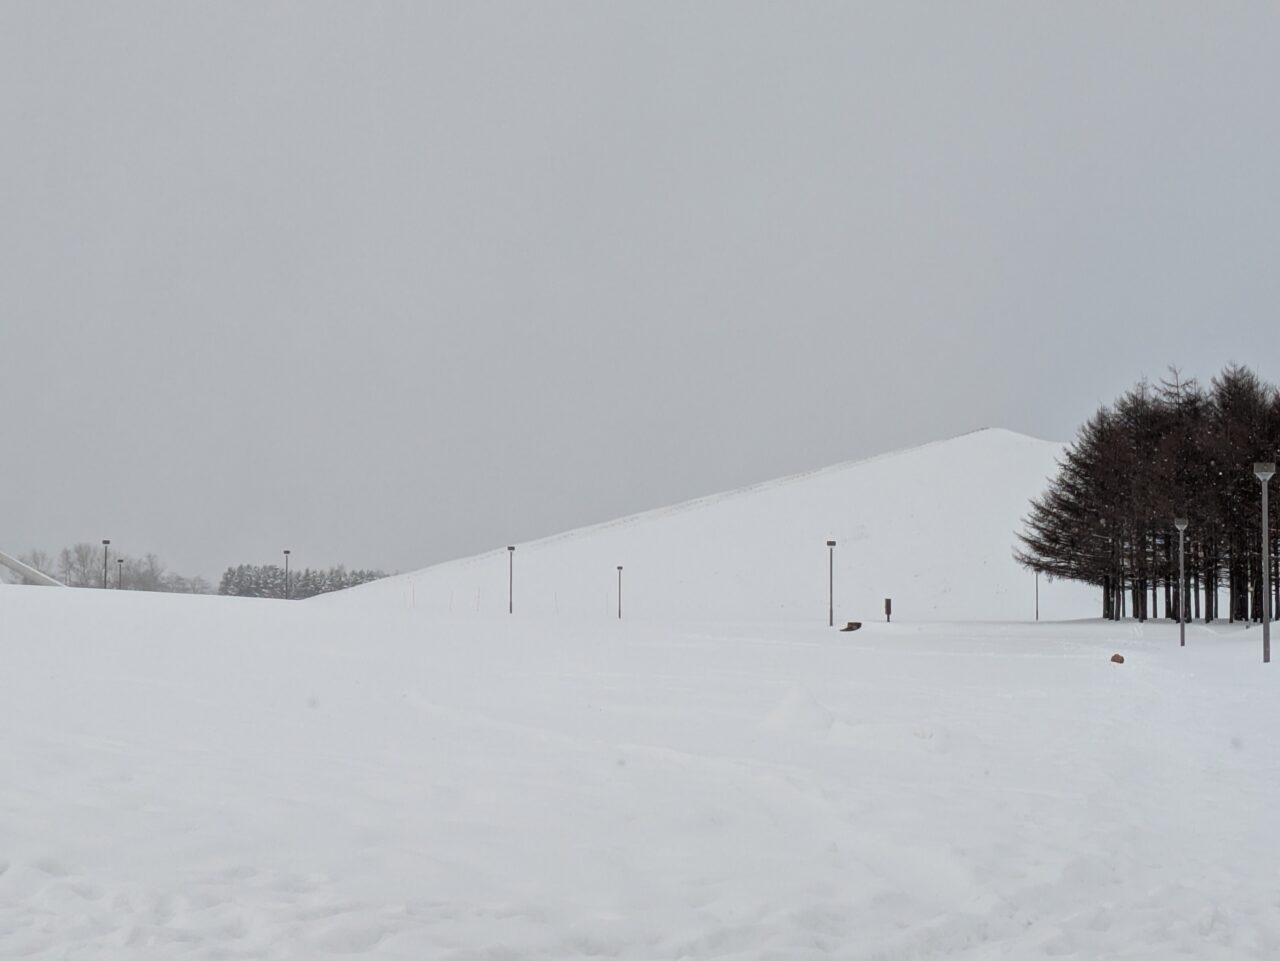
(190, 777)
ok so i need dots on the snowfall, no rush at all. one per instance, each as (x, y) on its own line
(392, 773)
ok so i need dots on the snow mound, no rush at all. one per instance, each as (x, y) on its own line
(932, 527)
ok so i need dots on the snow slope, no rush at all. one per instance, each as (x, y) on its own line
(932, 527)
(217, 778)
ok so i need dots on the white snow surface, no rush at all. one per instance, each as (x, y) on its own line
(221, 778)
(931, 527)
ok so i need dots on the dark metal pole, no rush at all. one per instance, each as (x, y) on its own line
(1182, 590)
(619, 592)
(105, 545)
(1181, 524)
(1266, 580)
(831, 583)
(511, 579)
(1264, 472)
(286, 575)
(119, 572)
(1037, 595)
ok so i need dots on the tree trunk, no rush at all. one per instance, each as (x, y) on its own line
(1242, 589)
(1275, 584)
(1195, 593)
(1210, 585)
(1155, 580)
(1255, 579)
(1170, 580)
(1232, 590)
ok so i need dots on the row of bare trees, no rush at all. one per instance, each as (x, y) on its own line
(1162, 451)
(81, 565)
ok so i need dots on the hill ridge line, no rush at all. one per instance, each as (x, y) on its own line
(706, 500)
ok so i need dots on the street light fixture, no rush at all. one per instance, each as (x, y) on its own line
(619, 592)
(1181, 524)
(105, 544)
(286, 574)
(831, 583)
(511, 578)
(1264, 471)
(119, 572)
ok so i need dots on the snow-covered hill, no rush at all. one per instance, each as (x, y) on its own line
(931, 527)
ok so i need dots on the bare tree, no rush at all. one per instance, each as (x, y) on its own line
(41, 561)
(81, 565)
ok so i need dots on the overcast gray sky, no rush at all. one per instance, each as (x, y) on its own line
(392, 283)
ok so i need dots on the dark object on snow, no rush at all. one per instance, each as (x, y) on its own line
(1117, 658)
(851, 626)
(888, 609)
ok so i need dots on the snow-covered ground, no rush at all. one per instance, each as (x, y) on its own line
(193, 777)
(931, 527)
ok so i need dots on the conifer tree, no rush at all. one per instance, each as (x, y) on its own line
(1157, 453)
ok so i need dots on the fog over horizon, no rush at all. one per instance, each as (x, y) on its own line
(392, 284)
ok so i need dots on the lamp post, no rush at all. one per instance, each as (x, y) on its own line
(1037, 595)
(511, 578)
(119, 572)
(105, 544)
(619, 592)
(286, 575)
(831, 583)
(1264, 471)
(1181, 524)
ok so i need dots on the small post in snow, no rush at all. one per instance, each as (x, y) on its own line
(888, 610)
(511, 579)
(831, 583)
(619, 592)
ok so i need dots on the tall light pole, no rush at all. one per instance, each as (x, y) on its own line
(511, 579)
(286, 575)
(119, 572)
(1264, 471)
(619, 592)
(105, 544)
(1037, 595)
(831, 583)
(1181, 524)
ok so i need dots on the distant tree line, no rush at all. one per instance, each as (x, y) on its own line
(1159, 452)
(268, 580)
(80, 565)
